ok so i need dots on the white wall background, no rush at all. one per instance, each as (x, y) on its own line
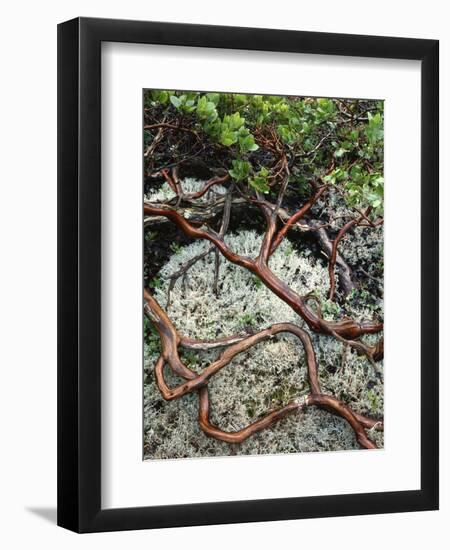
(28, 270)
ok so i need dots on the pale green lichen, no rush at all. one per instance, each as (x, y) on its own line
(189, 185)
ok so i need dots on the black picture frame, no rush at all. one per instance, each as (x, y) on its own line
(79, 274)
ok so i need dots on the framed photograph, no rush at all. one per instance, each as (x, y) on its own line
(248, 275)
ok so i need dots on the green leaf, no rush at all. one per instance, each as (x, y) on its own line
(160, 96)
(374, 129)
(240, 170)
(248, 144)
(285, 133)
(235, 121)
(227, 137)
(259, 182)
(213, 97)
(340, 152)
(206, 110)
(330, 178)
(175, 101)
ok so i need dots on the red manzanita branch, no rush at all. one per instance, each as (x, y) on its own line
(217, 180)
(295, 218)
(171, 181)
